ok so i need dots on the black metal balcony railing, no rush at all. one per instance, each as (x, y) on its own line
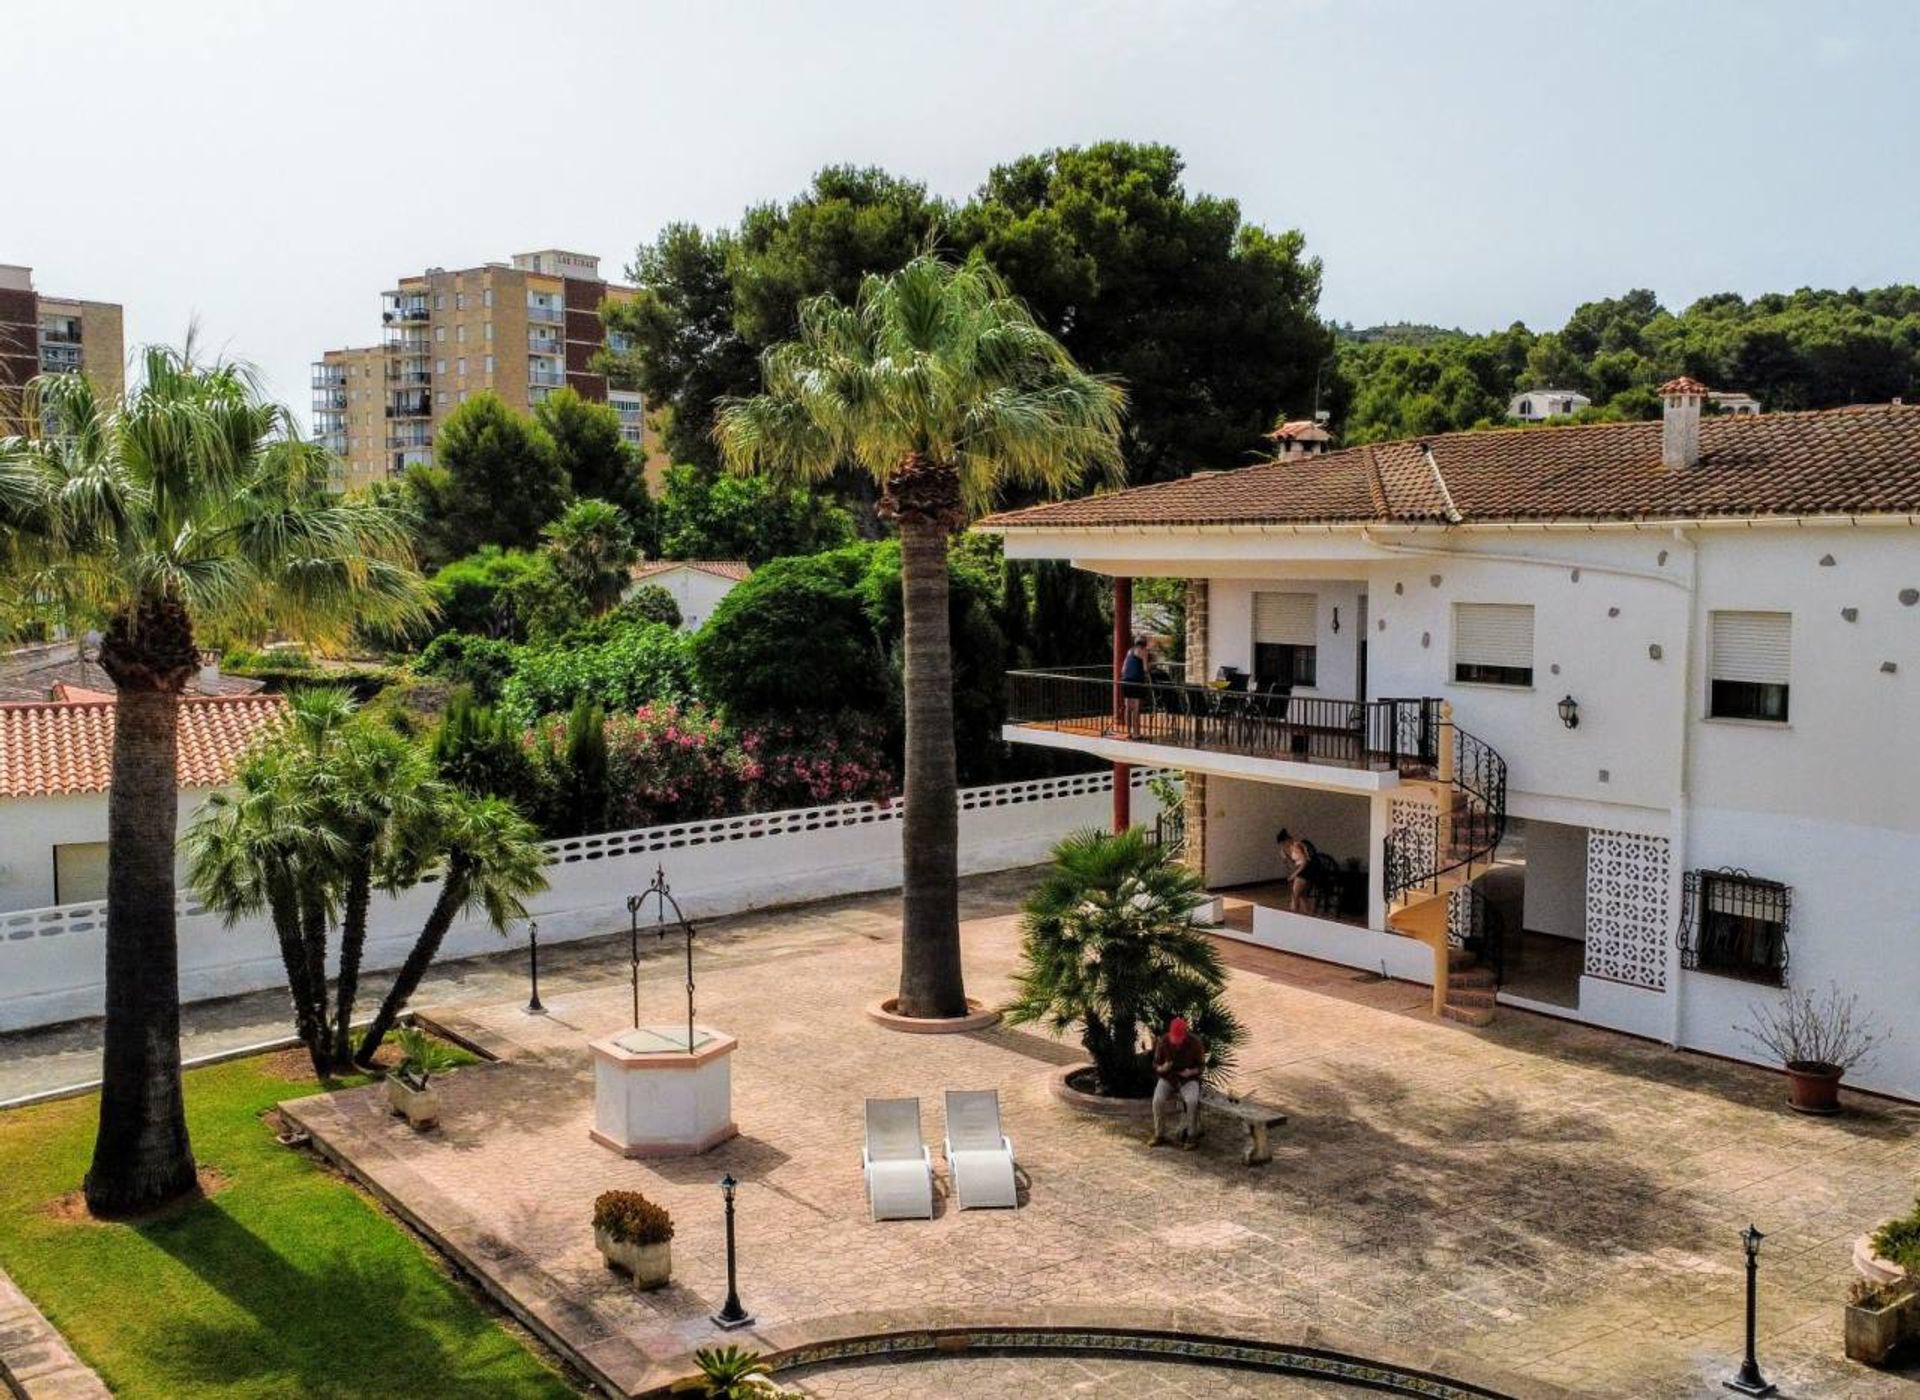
(1401, 735)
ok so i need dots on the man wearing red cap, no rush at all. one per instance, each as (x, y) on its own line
(1179, 1058)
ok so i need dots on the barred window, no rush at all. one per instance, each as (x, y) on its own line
(1735, 924)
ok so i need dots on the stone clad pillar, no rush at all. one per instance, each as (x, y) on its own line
(1194, 803)
(1122, 639)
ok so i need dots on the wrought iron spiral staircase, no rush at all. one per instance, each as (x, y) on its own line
(1431, 874)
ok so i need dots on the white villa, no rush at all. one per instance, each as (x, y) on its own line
(1538, 405)
(697, 585)
(1617, 723)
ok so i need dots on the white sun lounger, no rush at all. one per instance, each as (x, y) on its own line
(979, 1157)
(898, 1167)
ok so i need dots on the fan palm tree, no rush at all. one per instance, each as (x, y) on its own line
(1108, 944)
(941, 386)
(592, 551)
(491, 860)
(190, 507)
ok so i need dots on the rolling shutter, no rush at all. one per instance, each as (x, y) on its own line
(1285, 619)
(1493, 634)
(1752, 646)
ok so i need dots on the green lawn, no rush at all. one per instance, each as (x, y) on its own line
(285, 1283)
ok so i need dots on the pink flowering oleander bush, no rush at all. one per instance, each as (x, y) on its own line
(816, 765)
(666, 763)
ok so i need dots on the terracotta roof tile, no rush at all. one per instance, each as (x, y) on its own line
(1685, 384)
(1848, 461)
(735, 569)
(51, 749)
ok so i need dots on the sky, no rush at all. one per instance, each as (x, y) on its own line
(266, 169)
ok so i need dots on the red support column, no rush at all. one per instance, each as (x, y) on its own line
(1122, 640)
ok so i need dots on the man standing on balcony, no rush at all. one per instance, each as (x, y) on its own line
(1179, 1059)
(1136, 671)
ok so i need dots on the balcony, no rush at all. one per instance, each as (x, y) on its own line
(410, 378)
(405, 312)
(329, 398)
(409, 406)
(421, 436)
(551, 315)
(543, 342)
(329, 379)
(546, 378)
(1082, 708)
(66, 335)
(408, 345)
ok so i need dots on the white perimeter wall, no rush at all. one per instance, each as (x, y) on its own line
(52, 959)
(30, 827)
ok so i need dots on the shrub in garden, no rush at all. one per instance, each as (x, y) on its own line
(484, 663)
(666, 763)
(476, 594)
(572, 758)
(631, 1218)
(816, 763)
(639, 665)
(649, 603)
(484, 754)
(1898, 1241)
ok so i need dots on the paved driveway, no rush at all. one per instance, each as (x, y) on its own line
(1559, 1203)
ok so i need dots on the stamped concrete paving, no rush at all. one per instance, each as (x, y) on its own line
(1548, 1200)
(1104, 1378)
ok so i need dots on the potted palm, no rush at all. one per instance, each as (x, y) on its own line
(634, 1236)
(410, 1090)
(733, 1373)
(1816, 1039)
(1108, 944)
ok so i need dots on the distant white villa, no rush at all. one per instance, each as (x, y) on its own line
(1538, 405)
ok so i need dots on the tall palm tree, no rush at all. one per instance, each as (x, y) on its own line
(941, 386)
(592, 550)
(191, 506)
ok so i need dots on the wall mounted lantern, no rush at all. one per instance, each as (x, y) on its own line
(1336, 618)
(1569, 709)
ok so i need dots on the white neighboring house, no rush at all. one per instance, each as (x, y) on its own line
(697, 585)
(1538, 405)
(55, 761)
(1645, 696)
(1728, 401)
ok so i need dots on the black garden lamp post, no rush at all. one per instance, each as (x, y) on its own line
(1750, 1381)
(534, 1008)
(731, 1315)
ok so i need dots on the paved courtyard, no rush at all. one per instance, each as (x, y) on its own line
(1538, 1200)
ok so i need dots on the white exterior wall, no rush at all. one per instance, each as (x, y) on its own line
(51, 960)
(1245, 817)
(696, 591)
(1554, 896)
(1230, 628)
(30, 827)
(1826, 803)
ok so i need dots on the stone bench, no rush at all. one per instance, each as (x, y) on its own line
(1258, 1117)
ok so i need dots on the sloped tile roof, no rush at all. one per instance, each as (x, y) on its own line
(1847, 461)
(56, 749)
(735, 569)
(40, 677)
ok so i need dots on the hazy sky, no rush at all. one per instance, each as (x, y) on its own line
(268, 168)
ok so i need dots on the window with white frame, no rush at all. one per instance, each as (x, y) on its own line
(1285, 637)
(1749, 656)
(1493, 643)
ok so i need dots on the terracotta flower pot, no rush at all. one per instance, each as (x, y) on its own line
(1813, 1088)
(650, 1265)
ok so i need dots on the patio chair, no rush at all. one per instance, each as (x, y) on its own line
(979, 1157)
(898, 1167)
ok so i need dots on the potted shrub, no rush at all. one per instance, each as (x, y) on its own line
(1817, 1039)
(1108, 943)
(410, 1090)
(1880, 1316)
(733, 1373)
(633, 1235)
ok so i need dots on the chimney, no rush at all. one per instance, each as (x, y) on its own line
(1680, 423)
(1298, 438)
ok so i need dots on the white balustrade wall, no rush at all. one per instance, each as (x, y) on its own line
(52, 960)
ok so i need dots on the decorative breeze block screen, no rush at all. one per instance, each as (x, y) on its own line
(1628, 877)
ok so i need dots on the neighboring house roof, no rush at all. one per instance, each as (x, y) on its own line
(1848, 461)
(64, 748)
(40, 675)
(1551, 393)
(734, 569)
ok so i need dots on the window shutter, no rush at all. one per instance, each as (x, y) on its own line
(1493, 634)
(1752, 646)
(1286, 619)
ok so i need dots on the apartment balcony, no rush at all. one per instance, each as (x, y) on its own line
(329, 378)
(546, 378)
(336, 443)
(329, 398)
(543, 342)
(66, 336)
(408, 345)
(410, 378)
(1316, 740)
(406, 312)
(550, 315)
(410, 406)
(420, 436)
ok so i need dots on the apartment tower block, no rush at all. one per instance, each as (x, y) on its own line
(520, 330)
(53, 335)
